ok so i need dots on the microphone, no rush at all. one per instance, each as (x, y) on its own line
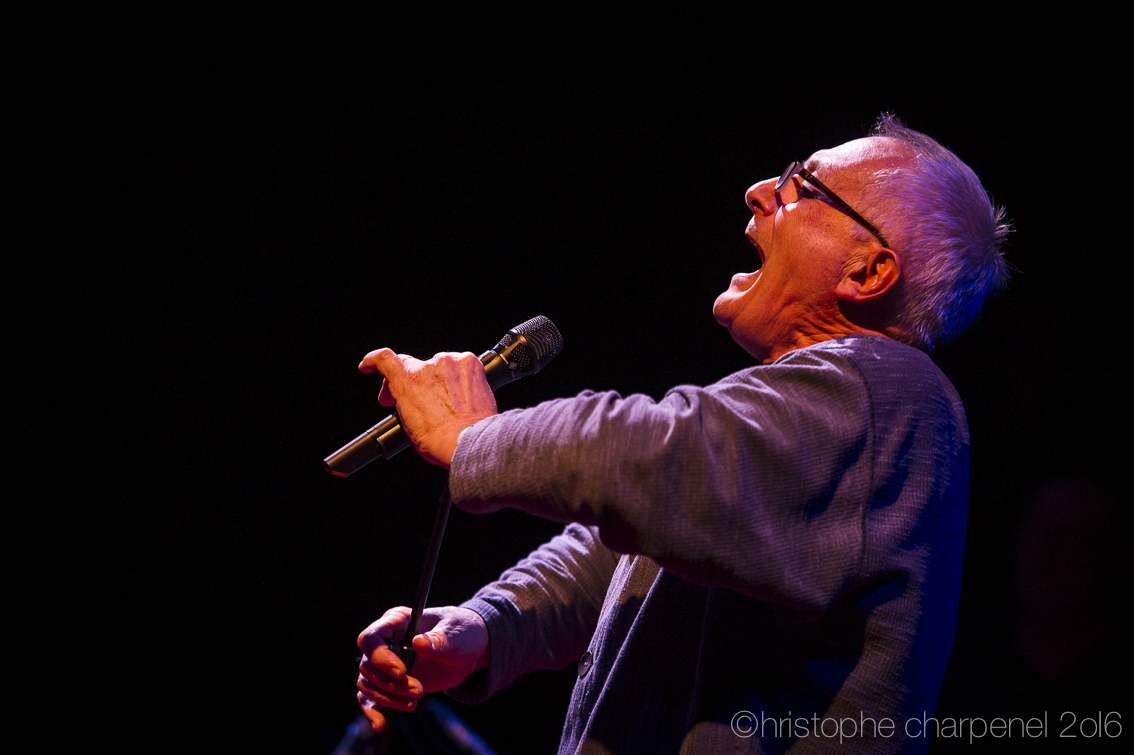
(524, 350)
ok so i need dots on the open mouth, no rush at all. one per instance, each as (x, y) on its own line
(760, 251)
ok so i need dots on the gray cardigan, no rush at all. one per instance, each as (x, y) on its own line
(768, 564)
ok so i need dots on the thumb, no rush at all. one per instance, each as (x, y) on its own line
(459, 636)
(433, 643)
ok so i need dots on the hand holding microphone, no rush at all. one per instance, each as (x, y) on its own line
(438, 398)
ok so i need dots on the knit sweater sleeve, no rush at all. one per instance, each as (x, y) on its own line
(542, 612)
(758, 483)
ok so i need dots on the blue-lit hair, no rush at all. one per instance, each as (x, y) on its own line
(947, 231)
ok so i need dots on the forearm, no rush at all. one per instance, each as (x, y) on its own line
(542, 612)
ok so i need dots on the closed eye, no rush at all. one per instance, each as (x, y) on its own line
(810, 192)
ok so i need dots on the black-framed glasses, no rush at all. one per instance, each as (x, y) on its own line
(796, 168)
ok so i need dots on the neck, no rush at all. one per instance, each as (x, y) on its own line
(816, 328)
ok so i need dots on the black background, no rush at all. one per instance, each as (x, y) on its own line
(230, 213)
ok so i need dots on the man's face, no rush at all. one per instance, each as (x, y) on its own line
(803, 246)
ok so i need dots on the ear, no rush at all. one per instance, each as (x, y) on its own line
(870, 277)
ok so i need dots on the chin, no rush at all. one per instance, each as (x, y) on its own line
(719, 307)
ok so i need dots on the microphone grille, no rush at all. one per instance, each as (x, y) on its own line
(542, 340)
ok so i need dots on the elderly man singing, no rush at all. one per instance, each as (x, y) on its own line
(771, 563)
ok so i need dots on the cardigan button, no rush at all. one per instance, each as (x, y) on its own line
(585, 664)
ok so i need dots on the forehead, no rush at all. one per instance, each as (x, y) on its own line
(856, 159)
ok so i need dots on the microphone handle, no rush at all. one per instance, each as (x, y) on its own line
(388, 438)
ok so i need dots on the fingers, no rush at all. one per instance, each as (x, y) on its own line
(437, 399)
(372, 713)
(385, 396)
(389, 626)
(382, 689)
(453, 646)
(381, 360)
(396, 368)
(372, 641)
(442, 372)
(386, 362)
(382, 678)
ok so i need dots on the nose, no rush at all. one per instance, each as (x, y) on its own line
(761, 197)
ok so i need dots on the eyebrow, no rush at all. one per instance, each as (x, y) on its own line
(809, 166)
(813, 166)
(811, 161)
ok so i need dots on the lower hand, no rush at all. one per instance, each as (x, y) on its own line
(453, 645)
